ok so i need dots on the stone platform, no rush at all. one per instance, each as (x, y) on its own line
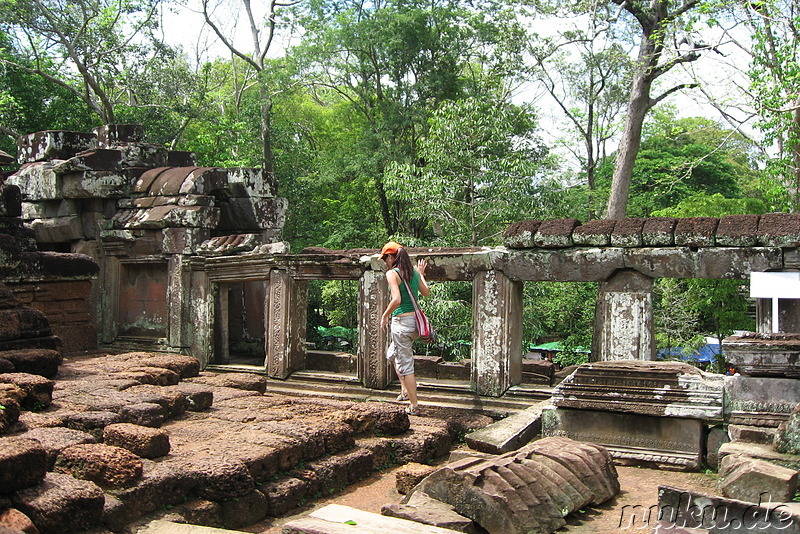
(146, 435)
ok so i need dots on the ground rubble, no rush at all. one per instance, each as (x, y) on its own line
(116, 438)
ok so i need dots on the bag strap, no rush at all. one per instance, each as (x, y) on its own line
(411, 294)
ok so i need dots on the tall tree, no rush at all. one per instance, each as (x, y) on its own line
(218, 16)
(587, 75)
(83, 46)
(658, 21)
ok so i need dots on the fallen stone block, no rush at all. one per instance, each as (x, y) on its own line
(421, 508)
(510, 433)
(409, 475)
(61, 503)
(338, 519)
(753, 480)
(142, 441)
(10, 398)
(514, 493)
(752, 434)
(23, 463)
(220, 478)
(761, 452)
(92, 422)
(662, 389)
(165, 483)
(105, 465)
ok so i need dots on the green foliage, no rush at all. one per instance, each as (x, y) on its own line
(449, 307)
(479, 172)
(682, 161)
(563, 311)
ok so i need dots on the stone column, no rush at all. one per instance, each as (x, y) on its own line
(373, 296)
(623, 326)
(497, 333)
(204, 321)
(180, 317)
(285, 331)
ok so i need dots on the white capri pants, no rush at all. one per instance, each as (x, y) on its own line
(400, 353)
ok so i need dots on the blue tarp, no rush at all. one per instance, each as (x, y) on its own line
(706, 353)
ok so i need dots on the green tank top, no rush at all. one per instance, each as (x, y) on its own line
(405, 300)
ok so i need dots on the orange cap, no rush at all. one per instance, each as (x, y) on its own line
(390, 248)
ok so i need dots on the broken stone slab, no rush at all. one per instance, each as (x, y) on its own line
(339, 519)
(752, 434)
(47, 209)
(716, 437)
(23, 463)
(668, 442)
(168, 216)
(509, 433)
(787, 438)
(12, 521)
(761, 452)
(681, 511)
(58, 229)
(110, 135)
(92, 160)
(421, 508)
(759, 401)
(53, 144)
(184, 240)
(764, 354)
(143, 155)
(161, 526)
(61, 503)
(664, 389)
(753, 480)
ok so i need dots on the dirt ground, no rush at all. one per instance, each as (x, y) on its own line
(638, 487)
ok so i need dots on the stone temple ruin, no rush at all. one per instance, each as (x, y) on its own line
(132, 282)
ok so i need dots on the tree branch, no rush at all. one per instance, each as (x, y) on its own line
(675, 89)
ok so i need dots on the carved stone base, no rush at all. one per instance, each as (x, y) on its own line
(667, 442)
(667, 389)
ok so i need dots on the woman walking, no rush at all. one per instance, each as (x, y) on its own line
(402, 276)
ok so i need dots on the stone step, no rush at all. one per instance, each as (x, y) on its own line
(444, 393)
(510, 433)
(339, 519)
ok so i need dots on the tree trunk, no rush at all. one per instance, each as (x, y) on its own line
(639, 103)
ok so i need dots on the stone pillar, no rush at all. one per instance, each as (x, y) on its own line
(178, 287)
(285, 331)
(497, 333)
(203, 325)
(623, 326)
(373, 296)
